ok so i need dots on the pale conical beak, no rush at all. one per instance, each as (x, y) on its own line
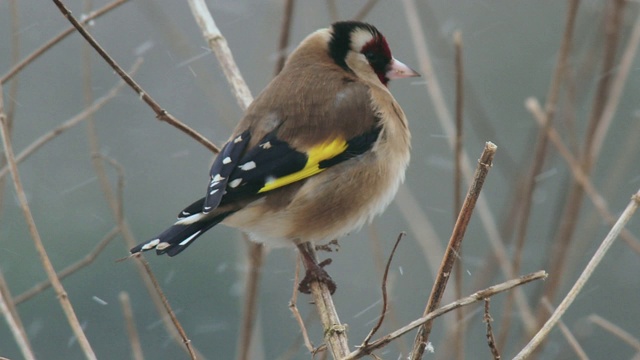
(398, 70)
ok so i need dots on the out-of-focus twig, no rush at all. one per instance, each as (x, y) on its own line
(573, 203)
(88, 259)
(220, 47)
(83, 115)
(127, 312)
(7, 309)
(581, 177)
(444, 118)
(616, 330)
(582, 280)
(573, 342)
(457, 189)
(539, 155)
(63, 298)
(285, 31)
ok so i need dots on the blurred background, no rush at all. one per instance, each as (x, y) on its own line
(510, 51)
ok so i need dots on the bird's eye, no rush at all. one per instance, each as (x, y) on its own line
(370, 55)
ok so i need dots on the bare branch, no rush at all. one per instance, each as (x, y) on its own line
(484, 164)
(161, 114)
(167, 307)
(475, 297)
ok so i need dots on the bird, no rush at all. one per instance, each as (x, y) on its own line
(320, 152)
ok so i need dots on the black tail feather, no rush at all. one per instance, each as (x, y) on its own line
(179, 236)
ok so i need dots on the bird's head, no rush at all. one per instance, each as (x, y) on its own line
(360, 48)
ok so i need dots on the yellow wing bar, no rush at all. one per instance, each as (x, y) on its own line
(316, 155)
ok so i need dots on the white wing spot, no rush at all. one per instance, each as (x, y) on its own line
(235, 183)
(213, 191)
(217, 178)
(151, 244)
(163, 245)
(237, 140)
(184, 213)
(266, 145)
(187, 240)
(226, 160)
(248, 166)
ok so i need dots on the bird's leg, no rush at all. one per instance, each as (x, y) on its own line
(315, 271)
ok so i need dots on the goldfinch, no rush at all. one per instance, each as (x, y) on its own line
(318, 153)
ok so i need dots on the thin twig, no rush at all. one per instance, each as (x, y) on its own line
(573, 342)
(484, 164)
(167, 307)
(127, 312)
(13, 321)
(584, 277)
(63, 298)
(34, 55)
(475, 297)
(616, 330)
(385, 301)
(161, 114)
(294, 308)
(490, 339)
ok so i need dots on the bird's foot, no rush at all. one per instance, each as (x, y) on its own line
(316, 272)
